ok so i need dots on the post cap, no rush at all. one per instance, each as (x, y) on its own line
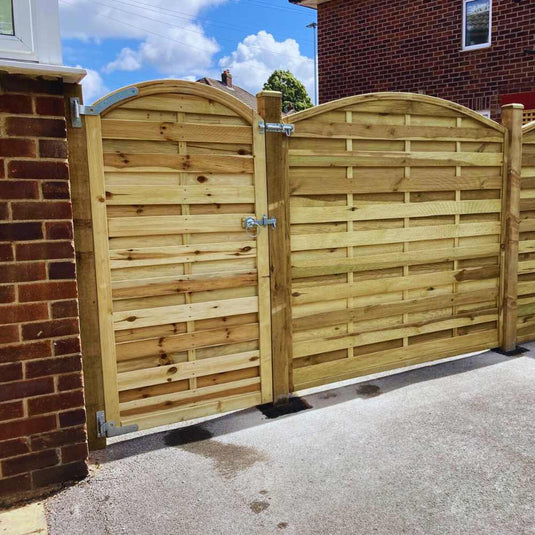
(513, 107)
(266, 93)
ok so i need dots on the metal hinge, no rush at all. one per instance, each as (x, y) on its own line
(109, 429)
(277, 128)
(77, 109)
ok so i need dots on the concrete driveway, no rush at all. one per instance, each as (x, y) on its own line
(445, 449)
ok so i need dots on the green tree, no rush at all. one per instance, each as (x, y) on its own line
(294, 93)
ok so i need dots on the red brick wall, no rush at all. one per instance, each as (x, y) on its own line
(42, 415)
(395, 45)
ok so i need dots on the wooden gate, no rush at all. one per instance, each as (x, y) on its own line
(526, 264)
(396, 234)
(183, 290)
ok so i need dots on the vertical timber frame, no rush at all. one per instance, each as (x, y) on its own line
(97, 191)
(270, 109)
(85, 270)
(512, 115)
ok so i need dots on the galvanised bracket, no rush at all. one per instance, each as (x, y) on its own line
(109, 429)
(277, 128)
(77, 109)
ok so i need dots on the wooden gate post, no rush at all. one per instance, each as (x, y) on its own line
(85, 271)
(278, 192)
(512, 120)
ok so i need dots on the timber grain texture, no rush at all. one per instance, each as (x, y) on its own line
(396, 214)
(184, 306)
(396, 205)
(526, 258)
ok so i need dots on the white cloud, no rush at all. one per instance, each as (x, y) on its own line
(257, 56)
(126, 60)
(171, 40)
(93, 86)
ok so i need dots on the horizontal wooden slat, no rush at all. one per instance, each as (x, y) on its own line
(182, 283)
(316, 293)
(331, 266)
(134, 319)
(310, 376)
(389, 104)
(314, 186)
(391, 211)
(385, 310)
(187, 163)
(193, 410)
(526, 246)
(526, 225)
(152, 256)
(526, 287)
(178, 103)
(168, 131)
(188, 394)
(323, 345)
(526, 266)
(167, 225)
(355, 130)
(309, 158)
(305, 242)
(187, 341)
(187, 370)
(144, 195)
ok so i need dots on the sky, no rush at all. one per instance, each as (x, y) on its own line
(122, 42)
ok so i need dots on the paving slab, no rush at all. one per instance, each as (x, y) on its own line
(27, 519)
(438, 450)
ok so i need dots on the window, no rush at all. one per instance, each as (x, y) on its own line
(29, 31)
(477, 27)
(485, 113)
(6, 17)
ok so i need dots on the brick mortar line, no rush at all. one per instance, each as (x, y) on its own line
(25, 379)
(38, 451)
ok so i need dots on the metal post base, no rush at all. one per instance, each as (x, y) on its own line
(513, 353)
(294, 404)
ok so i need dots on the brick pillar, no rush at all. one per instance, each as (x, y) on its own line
(42, 415)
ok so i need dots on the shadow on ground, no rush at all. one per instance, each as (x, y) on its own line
(186, 435)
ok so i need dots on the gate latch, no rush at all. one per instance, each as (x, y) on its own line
(109, 429)
(251, 223)
(277, 128)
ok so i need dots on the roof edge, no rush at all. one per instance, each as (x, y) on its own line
(313, 4)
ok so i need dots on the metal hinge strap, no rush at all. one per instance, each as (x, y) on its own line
(109, 429)
(277, 128)
(77, 109)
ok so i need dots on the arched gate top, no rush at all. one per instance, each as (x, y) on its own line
(390, 96)
(154, 87)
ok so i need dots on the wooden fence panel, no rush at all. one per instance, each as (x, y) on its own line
(183, 289)
(396, 234)
(526, 258)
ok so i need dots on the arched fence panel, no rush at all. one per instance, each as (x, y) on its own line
(396, 206)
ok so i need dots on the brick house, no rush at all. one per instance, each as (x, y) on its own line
(226, 84)
(42, 415)
(479, 53)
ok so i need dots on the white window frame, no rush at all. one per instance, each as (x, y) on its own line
(485, 113)
(482, 45)
(37, 37)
